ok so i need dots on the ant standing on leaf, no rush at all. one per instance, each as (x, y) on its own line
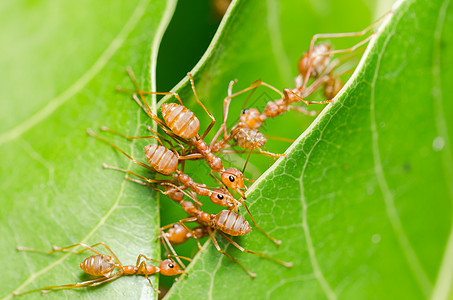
(107, 268)
(225, 222)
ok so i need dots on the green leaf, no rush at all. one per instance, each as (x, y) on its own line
(363, 200)
(60, 64)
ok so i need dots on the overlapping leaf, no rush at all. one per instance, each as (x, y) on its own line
(363, 201)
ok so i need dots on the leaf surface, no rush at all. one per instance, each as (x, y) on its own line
(363, 200)
(60, 65)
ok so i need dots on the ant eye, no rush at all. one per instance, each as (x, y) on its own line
(171, 266)
(220, 196)
(175, 225)
(244, 111)
(231, 178)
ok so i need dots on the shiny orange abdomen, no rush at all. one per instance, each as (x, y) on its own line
(161, 159)
(98, 265)
(231, 223)
(180, 120)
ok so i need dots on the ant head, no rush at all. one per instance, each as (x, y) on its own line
(251, 118)
(233, 179)
(169, 267)
(222, 196)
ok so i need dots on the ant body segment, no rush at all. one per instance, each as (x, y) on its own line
(104, 266)
(182, 124)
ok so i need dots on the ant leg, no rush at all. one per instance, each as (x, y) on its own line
(202, 105)
(65, 249)
(279, 138)
(265, 153)
(91, 133)
(286, 91)
(193, 219)
(273, 155)
(104, 128)
(150, 114)
(303, 110)
(348, 34)
(191, 156)
(58, 249)
(145, 184)
(147, 109)
(226, 106)
(168, 245)
(137, 88)
(106, 247)
(142, 266)
(161, 124)
(283, 263)
(119, 274)
(146, 258)
(105, 166)
(217, 179)
(191, 196)
(323, 78)
(348, 50)
(339, 35)
(253, 87)
(148, 182)
(253, 275)
(49, 289)
(179, 256)
(275, 241)
(166, 140)
(183, 149)
(218, 146)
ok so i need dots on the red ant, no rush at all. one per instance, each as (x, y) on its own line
(218, 196)
(104, 266)
(182, 124)
(315, 63)
(165, 162)
(225, 222)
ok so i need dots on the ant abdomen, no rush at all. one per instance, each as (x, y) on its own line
(332, 86)
(317, 59)
(177, 234)
(161, 159)
(250, 138)
(231, 223)
(98, 265)
(180, 120)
